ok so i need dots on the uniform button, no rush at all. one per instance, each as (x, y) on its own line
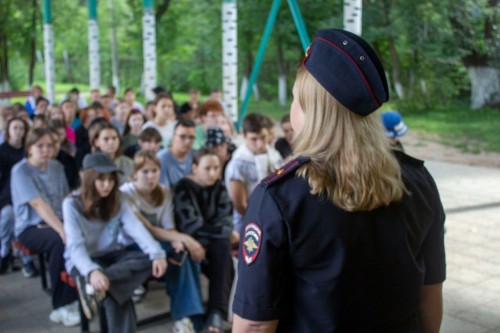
(344, 42)
(362, 58)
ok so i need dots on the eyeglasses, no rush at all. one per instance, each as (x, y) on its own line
(184, 137)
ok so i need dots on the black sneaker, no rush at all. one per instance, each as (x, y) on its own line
(5, 263)
(87, 299)
(29, 270)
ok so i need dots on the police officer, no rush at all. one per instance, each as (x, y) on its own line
(348, 236)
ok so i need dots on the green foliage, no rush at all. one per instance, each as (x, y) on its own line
(422, 43)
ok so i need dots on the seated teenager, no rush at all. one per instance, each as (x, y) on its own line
(164, 118)
(133, 127)
(11, 152)
(119, 120)
(249, 164)
(149, 139)
(284, 144)
(218, 143)
(61, 155)
(104, 137)
(176, 160)
(94, 218)
(152, 202)
(203, 210)
(37, 192)
(210, 114)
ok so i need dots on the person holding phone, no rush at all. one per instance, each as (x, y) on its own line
(348, 236)
(152, 203)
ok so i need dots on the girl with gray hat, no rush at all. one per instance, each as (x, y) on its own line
(94, 216)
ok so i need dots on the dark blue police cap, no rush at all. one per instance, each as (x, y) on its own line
(348, 68)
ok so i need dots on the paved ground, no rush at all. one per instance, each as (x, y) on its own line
(471, 197)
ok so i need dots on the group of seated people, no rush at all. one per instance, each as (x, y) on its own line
(112, 191)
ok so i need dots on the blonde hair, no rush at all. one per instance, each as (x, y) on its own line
(351, 163)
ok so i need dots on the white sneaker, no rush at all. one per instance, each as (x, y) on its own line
(183, 325)
(138, 294)
(67, 315)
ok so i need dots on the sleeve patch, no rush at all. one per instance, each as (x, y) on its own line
(252, 241)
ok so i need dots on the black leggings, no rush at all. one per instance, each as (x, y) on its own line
(46, 240)
(218, 267)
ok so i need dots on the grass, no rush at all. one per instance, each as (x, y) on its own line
(269, 108)
(457, 125)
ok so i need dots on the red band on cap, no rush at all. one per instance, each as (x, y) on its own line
(355, 64)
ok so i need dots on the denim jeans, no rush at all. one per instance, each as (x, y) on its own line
(183, 287)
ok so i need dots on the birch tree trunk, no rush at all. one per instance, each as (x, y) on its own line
(48, 46)
(149, 48)
(94, 62)
(485, 86)
(353, 16)
(230, 58)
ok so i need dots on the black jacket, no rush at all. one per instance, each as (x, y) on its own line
(203, 212)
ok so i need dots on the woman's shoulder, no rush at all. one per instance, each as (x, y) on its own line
(284, 185)
(73, 200)
(124, 159)
(187, 182)
(285, 173)
(165, 189)
(21, 167)
(4, 146)
(55, 166)
(149, 123)
(124, 162)
(128, 188)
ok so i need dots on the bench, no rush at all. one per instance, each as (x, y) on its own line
(41, 264)
(11, 94)
(65, 277)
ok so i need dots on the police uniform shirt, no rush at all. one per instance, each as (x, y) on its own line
(317, 268)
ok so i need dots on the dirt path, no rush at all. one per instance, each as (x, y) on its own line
(428, 148)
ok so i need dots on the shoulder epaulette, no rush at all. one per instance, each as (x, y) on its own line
(285, 170)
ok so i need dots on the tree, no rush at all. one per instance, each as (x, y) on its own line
(14, 28)
(476, 28)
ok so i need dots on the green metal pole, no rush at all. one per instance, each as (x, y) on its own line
(47, 11)
(92, 4)
(271, 19)
(299, 23)
(148, 3)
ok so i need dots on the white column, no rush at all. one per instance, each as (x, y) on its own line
(48, 46)
(149, 48)
(353, 16)
(94, 61)
(230, 58)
